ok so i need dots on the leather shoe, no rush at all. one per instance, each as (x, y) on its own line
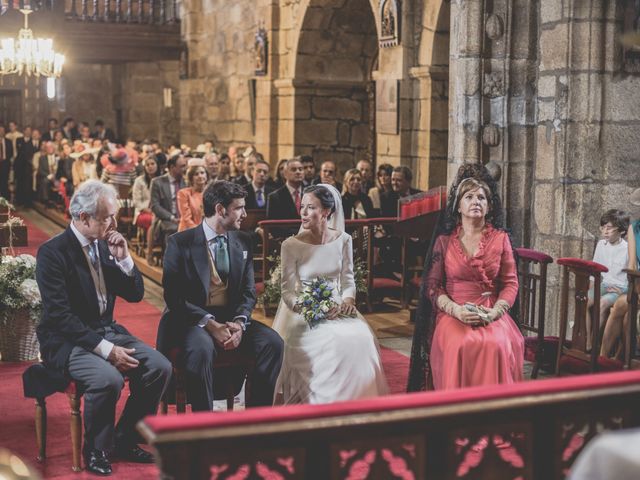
(96, 461)
(133, 453)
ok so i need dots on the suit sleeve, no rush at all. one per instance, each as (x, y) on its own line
(51, 271)
(173, 283)
(129, 287)
(156, 202)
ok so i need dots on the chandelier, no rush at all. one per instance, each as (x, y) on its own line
(28, 55)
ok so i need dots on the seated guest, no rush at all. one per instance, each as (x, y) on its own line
(258, 190)
(84, 165)
(464, 333)
(103, 133)
(79, 273)
(383, 184)
(309, 167)
(328, 175)
(232, 152)
(210, 293)
(280, 179)
(618, 321)
(164, 199)
(69, 129)
(245, 164)
(141, 194)
(64, 175)
(366, 170)
(84, 133)
(46, 171)
(119, 170)
(190, 198)
(284, 203)
(212, 166)
(224, 171)
(52, 127)
(612, 252)
(355, 202)
(400, 187)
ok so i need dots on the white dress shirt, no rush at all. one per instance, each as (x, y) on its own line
(126, 265)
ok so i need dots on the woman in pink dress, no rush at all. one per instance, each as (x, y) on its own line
(464, 333)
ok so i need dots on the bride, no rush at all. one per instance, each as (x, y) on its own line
(339, 358)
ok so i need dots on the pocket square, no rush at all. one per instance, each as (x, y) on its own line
(244, 254)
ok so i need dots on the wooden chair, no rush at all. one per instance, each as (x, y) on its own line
(532, 273)
(40, 382)
(632, 360)
(225, 359)
(575, 358)
(378, 286)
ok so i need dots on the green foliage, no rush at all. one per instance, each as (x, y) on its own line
(272, 284)
(360, 273)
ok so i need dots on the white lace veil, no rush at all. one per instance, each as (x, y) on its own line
(336, 220)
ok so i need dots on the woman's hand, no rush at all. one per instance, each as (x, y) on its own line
(469, 318)
(348, 307)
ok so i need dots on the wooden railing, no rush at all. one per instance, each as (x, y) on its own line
(152, 12)
(530, 430)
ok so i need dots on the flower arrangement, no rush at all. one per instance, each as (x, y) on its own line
(360, 272)
(315, 301)
(20, 308)
(272, 284)
(6, 204)
(18, 287)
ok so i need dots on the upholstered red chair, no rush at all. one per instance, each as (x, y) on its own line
(532, 273)
(575, 358)
(379, 287)
(225, 359)
(632, 360)
(40, 382)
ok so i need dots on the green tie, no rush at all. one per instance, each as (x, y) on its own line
(222, 257)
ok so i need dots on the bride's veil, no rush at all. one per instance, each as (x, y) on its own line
(335, 222)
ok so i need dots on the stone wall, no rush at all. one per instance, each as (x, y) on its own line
(588, 128)
(86, 94)
(143, 111)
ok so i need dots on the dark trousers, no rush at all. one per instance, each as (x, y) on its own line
(102, 384)
(200, 351)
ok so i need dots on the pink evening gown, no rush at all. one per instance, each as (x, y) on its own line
(461, 355)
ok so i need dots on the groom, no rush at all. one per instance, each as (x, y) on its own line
(210, 293)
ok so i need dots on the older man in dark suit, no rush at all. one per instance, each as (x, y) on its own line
(258, 189)
(210, 293)
(80, 272)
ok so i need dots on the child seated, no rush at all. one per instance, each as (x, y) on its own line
(612, 252)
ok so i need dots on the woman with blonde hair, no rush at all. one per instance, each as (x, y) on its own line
(190, 198)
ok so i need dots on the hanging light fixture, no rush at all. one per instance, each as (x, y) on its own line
(29, 56)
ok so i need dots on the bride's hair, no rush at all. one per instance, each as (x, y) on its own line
(324, 195)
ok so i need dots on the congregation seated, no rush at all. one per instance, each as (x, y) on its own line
(190, 198)
(328, 175)
(164, 194)
(84, 165)
(119, 168)
(141, 194)
(383, 184)
(284, 203)
(258, 190)
(355, 201)
(400, 187)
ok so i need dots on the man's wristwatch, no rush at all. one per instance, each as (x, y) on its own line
(242, 322)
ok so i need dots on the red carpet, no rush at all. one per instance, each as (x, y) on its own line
(17, 431)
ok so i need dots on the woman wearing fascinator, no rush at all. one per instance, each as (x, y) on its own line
(338, 358)
(464, 334)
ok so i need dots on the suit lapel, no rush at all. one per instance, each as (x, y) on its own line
(200, 256)
(235, 262)
(82, 268)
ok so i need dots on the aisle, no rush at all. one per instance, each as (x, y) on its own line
(17, 422)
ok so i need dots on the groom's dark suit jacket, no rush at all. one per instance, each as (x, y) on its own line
(187, 277)
(71, 314)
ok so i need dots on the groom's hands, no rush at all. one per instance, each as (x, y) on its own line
(236, 336)
(220, 332)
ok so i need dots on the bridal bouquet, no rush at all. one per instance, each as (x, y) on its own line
(315, 301)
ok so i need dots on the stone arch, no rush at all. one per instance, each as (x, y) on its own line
(431, 139)
(336, 47)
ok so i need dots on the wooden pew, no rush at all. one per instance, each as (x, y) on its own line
(532, 430)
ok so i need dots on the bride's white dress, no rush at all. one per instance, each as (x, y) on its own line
(338, 359)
